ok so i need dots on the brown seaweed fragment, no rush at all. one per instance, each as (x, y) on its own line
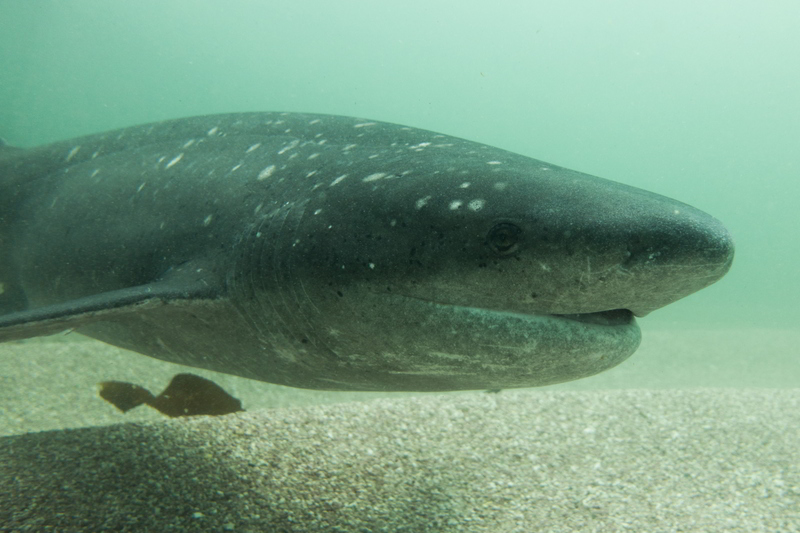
(186, 395)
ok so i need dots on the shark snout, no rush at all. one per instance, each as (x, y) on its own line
(674, 257)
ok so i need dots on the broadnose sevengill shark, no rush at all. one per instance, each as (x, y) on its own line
(332, 252)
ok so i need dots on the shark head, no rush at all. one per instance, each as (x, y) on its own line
(469, 267)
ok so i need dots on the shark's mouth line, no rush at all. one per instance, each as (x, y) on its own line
(614, 317)
(611, 317)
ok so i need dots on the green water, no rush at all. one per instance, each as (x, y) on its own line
(695, 100)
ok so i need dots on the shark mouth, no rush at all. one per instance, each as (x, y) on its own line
(614, 317)
(610, 317)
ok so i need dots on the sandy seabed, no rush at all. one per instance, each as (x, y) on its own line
(699, 431)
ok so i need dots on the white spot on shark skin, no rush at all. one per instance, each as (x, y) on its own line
(322, 141)
(207, 220)
(141, 186)
(94, 155)
(311, 173)
(234, 169)
(338, 180)
(374, 156)
(258, 208)
(464, 185)
(419, 147)
(446, 145)
(349, 147)
(252, 147)
(318, 211)
(212, 131)
(314, 155)
(364, 124)
(315, 121)
(161, 159)
(288, 147)
(494, 162)
(422, 202)
(94, 173)
(500, 186)
(476, 204)
(188, 143)
(544, 267)
(393, 222)
(293, 155)
(374, 177)
(162, 225)
(455, 204)
(371, 266)
(676, 212)
(174, 160)
(72, 152)
(267, 172)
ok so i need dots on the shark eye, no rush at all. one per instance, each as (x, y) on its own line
(503, 239)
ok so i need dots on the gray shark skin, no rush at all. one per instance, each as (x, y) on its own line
(339, 253)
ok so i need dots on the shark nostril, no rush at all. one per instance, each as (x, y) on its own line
(627, 257)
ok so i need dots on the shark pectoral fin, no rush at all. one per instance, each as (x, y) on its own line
(73, 314)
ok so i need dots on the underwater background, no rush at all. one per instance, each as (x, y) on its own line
(697, 431)
(699, 101)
